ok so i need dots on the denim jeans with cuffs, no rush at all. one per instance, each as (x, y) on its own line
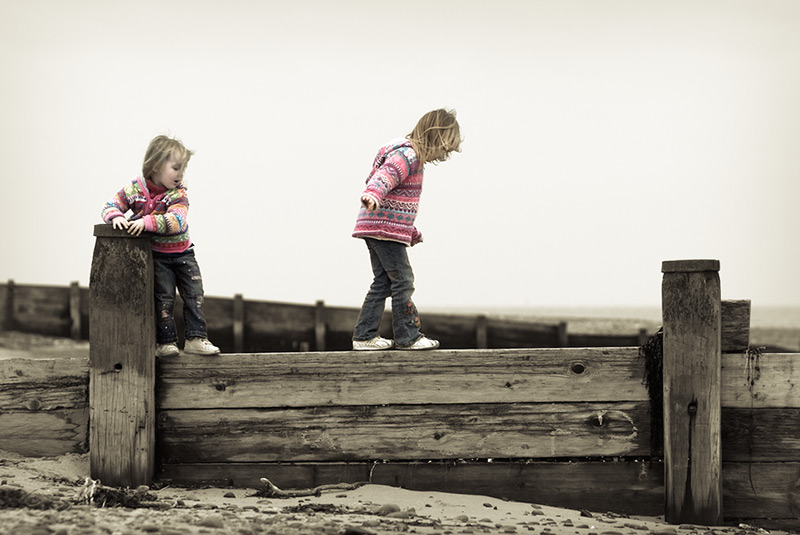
(393, 277)
(181, 271)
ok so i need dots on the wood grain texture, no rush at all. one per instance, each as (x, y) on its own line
(735, 325)
(405, 432)
(691, 307)
(762, 490)
(44, 384)
(121, 360)
(761, 435)
(401, 377)
(768, 380)
(45, 433)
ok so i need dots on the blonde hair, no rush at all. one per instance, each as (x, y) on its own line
(158, 153)
(436, 135)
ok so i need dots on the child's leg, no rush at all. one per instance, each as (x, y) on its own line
(190, 285)
(393, 258)
(164, 286)
(369, 320)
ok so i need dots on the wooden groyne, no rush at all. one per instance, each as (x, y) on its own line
(570, 427)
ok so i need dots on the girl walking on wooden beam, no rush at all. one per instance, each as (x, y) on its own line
(386, 223)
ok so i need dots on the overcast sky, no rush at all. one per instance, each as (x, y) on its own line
(600, 138)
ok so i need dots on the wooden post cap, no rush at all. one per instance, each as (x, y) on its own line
(104, 230)
(689, 266)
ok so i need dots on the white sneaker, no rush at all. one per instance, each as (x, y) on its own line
(200, 346)
(422, 344)
(166, 350)
(376, 344)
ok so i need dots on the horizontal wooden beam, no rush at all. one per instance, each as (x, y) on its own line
(44, 384)
(759, 381)
(46, 433)
(405, 432)
(761, 435)
(401, 377)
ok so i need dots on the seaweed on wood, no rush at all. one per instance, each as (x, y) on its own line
(652, 352)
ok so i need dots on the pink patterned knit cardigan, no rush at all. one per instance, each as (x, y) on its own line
(395, 183)
(164, 214)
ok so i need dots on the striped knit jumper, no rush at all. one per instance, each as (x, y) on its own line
(395, 183)
(163, 211)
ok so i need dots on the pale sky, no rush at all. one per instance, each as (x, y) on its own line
(600, 138)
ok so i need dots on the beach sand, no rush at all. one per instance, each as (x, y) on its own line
(53, 486)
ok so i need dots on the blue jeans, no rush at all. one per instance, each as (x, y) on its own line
(178, 270)
(393, 277)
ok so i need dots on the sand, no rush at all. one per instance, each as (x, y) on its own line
(52, 488)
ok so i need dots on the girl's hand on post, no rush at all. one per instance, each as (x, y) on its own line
(119, 223)
(368, 202)
(135, 228)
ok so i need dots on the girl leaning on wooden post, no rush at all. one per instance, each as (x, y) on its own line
(160, 205)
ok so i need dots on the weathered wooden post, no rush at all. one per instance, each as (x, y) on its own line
(320, 325)
(75, 310)
(9, 323)
(481, 332)
(238, 323)
(121, 359)
(691, 309)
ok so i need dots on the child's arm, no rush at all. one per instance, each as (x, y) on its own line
(395, 168)
(114, 210)
(173, 221)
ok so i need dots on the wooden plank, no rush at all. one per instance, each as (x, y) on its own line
(627, 487)
(121, 359)
(767, 435)
(735, 325)
(691, 308)
(762, 490)
(44, 384)
(401, 377)
(759, 381)
(405, 432)
(44, 433)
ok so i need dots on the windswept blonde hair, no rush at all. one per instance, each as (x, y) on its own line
(158, 153)
(436, 135)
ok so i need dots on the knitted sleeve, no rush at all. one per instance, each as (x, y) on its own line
(395, 167)
(174, 220)
(120, 204)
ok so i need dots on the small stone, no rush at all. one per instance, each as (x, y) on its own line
(229, 495)
(462, 518)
